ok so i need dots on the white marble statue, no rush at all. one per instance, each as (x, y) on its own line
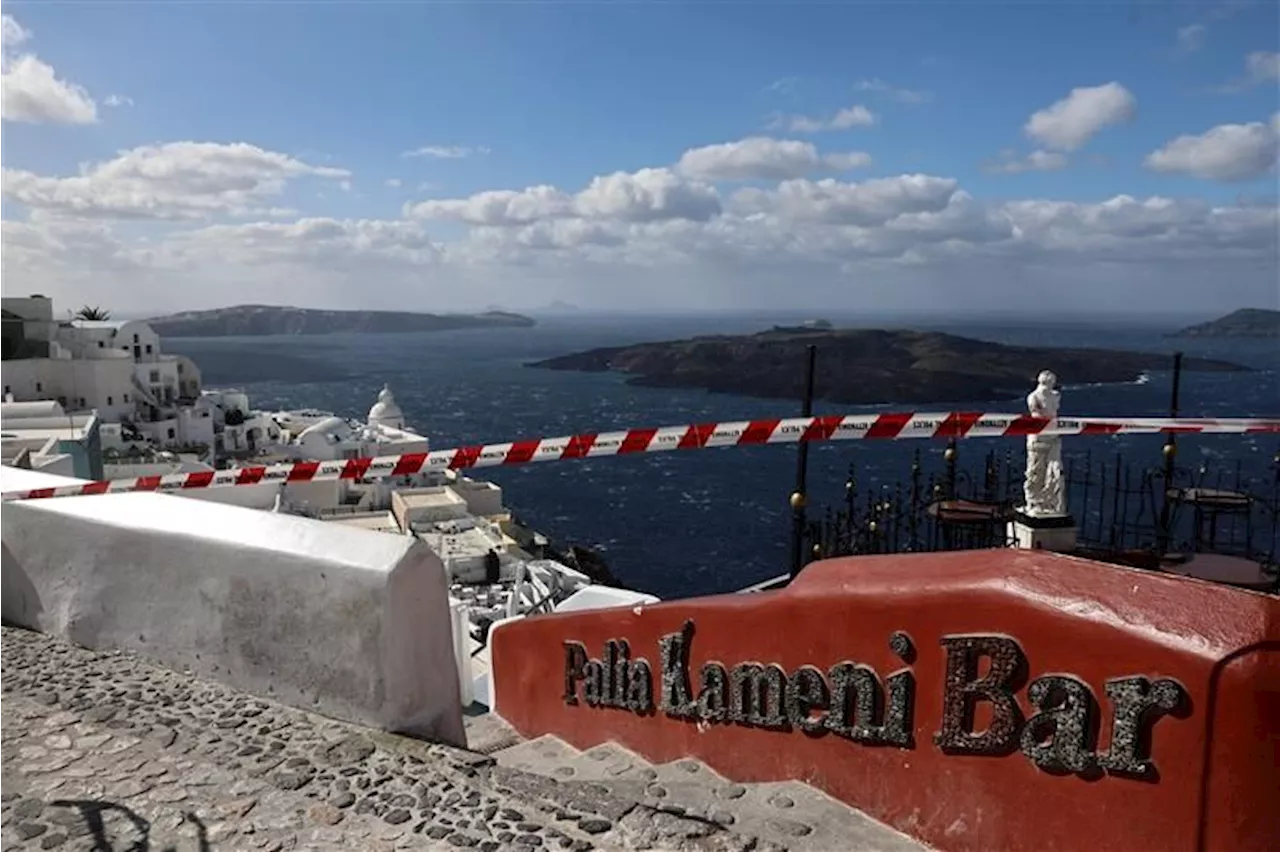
(1045, 490)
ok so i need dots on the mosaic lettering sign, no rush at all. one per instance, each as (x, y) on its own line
(853, 701)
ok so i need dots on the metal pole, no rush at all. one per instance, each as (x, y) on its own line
(1170, 451)
(802, 467)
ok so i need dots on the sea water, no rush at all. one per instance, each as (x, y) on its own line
(687, 523)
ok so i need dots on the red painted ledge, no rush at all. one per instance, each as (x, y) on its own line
(979, 700)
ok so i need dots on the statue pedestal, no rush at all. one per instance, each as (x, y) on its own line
(1056, 533)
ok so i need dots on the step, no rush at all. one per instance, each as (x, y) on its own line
(766, 817)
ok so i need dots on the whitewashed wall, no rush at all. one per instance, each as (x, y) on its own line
(345, 622)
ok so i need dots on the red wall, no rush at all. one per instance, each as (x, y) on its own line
(1217, 754)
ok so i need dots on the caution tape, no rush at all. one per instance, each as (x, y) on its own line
(890, 426)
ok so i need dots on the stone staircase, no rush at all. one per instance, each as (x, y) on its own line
(683, 804)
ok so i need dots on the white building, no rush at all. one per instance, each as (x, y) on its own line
(383, 433)
(42, 436)
(104, 384)
(114, 368)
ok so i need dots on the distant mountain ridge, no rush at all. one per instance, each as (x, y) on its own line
(864, 366)
(263, 320)
(1246, 322)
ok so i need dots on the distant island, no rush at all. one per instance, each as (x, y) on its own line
(261, 320)
(1246, 322)
(861, 367)
(557, 308)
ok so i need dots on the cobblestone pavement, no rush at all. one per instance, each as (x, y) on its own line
(105, 751)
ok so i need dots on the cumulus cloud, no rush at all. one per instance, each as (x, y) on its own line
(1009, 163)
(1228, 152)
(1071, 122)
(897, 93)
(114, 100)
(764, 158)
(636, 239)
(31, 92)
(498, 207)
(643, 196)
(178, 180)
(870, 203)
(845, 119)
(445, 152)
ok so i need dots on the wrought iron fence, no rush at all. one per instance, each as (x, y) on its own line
(1123, 511)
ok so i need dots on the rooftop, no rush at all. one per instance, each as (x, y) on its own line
(114, 325)
(429, 498)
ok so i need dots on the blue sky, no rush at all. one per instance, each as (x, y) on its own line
(558, 93)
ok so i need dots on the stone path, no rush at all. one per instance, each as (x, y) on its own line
(105, 751)
(785, 815)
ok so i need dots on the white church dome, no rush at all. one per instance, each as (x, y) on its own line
(385, 411)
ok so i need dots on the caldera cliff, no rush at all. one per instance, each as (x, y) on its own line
(865, 366)
(1246, 322)
(260, 320)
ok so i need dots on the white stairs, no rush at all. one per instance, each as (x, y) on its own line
(682, 805)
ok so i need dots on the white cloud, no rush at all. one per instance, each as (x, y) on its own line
(392, 183)
(763, 158)
(30, 90)
(870, 203)
(657, 236)
(897, 93)
(643, 196)
(1071, 122)
(117, 101)
(346, 242)
(849, 117)
(1228, 152)
(1191, 38)
(1009, 163)
(178, 180)
(499, 207)
(11, 32)
(1260, 67)
(445, 152)
(647, 195)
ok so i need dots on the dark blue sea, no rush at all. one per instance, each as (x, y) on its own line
(687, 523)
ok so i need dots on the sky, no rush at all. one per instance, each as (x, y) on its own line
(947, 157)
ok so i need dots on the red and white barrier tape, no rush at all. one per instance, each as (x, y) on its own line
(792, 430)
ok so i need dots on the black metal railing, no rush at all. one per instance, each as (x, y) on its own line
(1121, 509)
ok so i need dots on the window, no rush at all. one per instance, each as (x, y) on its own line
(135, 338)
(170, 434)
(7, 389)
(126, 398)
(39, 387)
(82, 402)
(155, 375)
(148, 348)
(101, 345)
(111, 400)
(179, 366)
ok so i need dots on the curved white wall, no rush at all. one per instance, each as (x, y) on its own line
(44, 408)
(341, 621)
